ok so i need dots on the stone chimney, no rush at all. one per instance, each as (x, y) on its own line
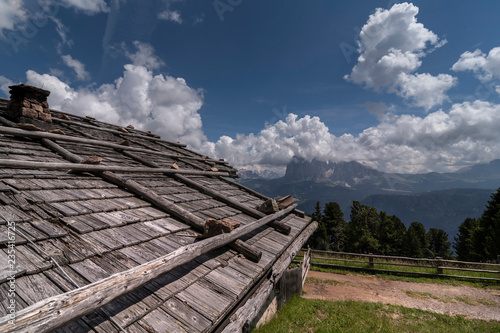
(29, 104)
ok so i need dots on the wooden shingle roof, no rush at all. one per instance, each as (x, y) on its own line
(146, 200)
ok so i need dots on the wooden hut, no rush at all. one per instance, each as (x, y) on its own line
(111, 229)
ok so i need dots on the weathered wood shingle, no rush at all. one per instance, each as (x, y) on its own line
(94, 228)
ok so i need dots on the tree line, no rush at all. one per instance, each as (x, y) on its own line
(370, 231)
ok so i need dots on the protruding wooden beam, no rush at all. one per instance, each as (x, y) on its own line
(245, 188)
(54, 312)
(257, 194)
(285, 202)
(7, 122)
(61, 151)
(157, 200)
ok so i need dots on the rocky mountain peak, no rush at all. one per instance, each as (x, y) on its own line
(342, 173)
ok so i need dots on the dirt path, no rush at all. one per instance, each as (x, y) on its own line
(466, 301)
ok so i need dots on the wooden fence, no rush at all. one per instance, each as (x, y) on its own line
(419, 266)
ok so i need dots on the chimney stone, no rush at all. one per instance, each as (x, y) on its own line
(29, 104)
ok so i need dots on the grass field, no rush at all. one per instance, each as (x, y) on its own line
(307, 315)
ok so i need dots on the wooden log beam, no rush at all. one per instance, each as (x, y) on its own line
(54, 312)
(281, 227)
(154, 165)
(16, 164)
(61, 151)
(250, 310)
(157, 200)
(137, 158)
(99, 143)
(7, 122)
(249, 251)
(146, 136)
(184, 215)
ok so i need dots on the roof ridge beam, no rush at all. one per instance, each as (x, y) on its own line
(67, 138)
(16, 164)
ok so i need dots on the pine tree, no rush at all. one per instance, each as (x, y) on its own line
(489, 229)
(479, 240)
(319, 239)
(415, 241)
(465, 241)
(363, 228)
(391, 234)
(333, 218)
(438, 243)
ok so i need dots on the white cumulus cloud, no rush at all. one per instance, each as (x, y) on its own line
(440, 141)
(424, 90)
(485, 67)
(77, 66)
(391, 46)
(163, 104)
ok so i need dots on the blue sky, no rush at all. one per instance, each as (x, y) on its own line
(403, 87)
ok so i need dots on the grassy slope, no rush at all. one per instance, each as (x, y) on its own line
(304, 315)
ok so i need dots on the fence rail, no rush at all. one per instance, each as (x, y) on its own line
(420, 266)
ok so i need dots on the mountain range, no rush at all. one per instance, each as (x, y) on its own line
(437, 200)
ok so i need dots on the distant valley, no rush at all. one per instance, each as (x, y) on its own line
(438, 200)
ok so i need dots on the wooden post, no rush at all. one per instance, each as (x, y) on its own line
(370, 261)
(438, 265)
